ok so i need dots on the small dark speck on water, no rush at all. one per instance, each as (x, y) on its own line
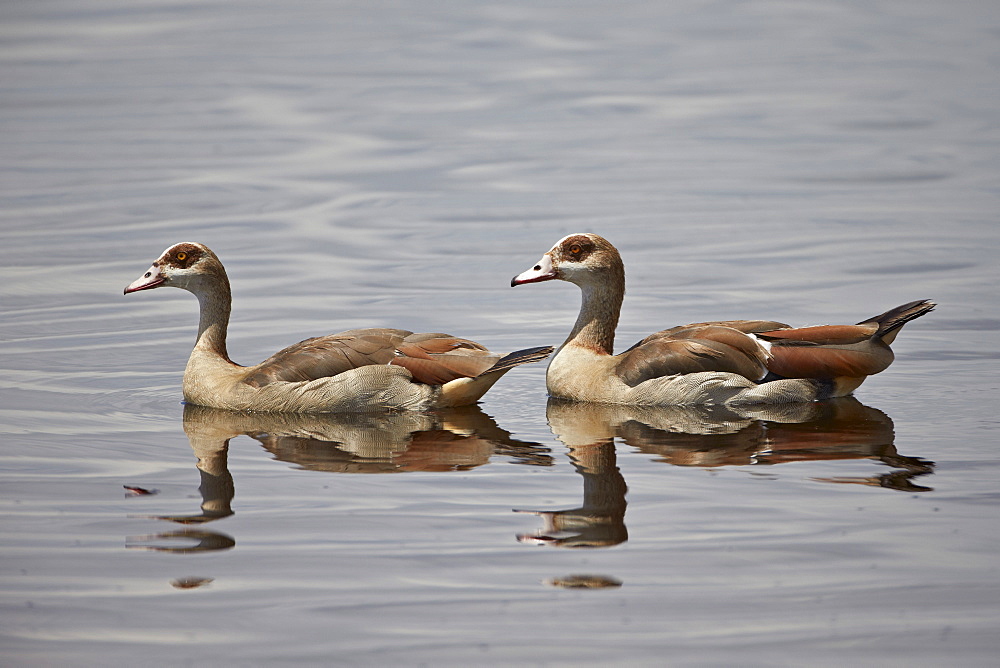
(191, 582)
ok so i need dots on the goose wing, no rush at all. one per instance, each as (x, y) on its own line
(330, 355)
(691, 349)
(433, 358)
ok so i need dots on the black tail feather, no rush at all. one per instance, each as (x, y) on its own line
(895, 318)
(519, 357)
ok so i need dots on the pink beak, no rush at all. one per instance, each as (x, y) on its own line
(542, 271)
(150, 279)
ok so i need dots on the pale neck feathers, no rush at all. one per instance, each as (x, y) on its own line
(215, 303)
(603, 288)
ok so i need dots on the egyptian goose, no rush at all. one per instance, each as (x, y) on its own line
(730, 362)
(356, 370)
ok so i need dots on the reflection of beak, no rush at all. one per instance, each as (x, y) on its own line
(542, 271)
(150, 279)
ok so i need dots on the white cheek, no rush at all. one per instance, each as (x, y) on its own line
(571, 270)
(180, 278)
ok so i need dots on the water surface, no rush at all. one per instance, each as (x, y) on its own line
(390, 164)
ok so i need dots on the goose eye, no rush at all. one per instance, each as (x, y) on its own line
(182, 256)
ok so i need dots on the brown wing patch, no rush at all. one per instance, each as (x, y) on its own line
(690, 350)
(824, 334)
(432, 358)
(724, 335)
(448, 366)
(436, 359)
(745, 326)
(825, 362)
(427, 370)
(325, 356)
(419, 344)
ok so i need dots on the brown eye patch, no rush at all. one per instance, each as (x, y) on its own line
(184, 255)
(577, 248)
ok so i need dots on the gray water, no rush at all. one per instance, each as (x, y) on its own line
(394, 164)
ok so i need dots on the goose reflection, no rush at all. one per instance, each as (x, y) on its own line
(600, 521)
(210, 443)
(453, 439)
(456, 439)
(710, 436)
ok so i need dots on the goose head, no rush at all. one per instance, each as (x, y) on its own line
(585, 259)
(188, 265)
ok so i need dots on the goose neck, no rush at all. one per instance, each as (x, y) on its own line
(215, 306)
(598, 319)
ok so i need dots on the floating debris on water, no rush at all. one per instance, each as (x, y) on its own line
(584, 582)
(190, 583)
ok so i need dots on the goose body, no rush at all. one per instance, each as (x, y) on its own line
(722, 362)
(355, 370)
